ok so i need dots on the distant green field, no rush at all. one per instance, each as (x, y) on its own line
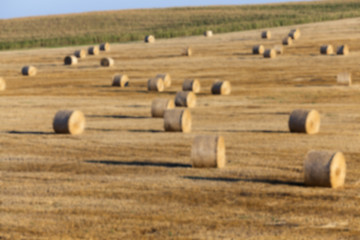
(133, 25)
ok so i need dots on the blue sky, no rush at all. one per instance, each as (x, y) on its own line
(24, 8)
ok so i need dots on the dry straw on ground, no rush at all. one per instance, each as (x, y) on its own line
(185, 99)
(149, 39)
(177, 120)
(80, 53)
(325, 169)
(68, 121)
(191, 85)
(326, 49)
(294, 33)
(221, 87)
(120, 80)
(266, 34)
(342, 50)
(344, 78)
(105, 47)
(304, 121)
(29, 71)
(160, 105)
(94, 50)
(107, 62)
(2, 84)
(70, 60)
(287, 41)
(208, 33)
(155, 84)
(208, 152)
(270, 53)
(166, 78)
(258, 49)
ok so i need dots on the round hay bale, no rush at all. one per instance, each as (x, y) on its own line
(166, 78)
(107, 62)
(294, 33)
(221, 87)
(94, 50)
(266, 34)
(120, 80)
(287, 41)
(324, 169)
(150, 39)
(160, 105)
(279, 49)
(187, 52)
(177, 120)
(208, 152)
(342, 50)
(2, 84)
(258, 49)
(70, 60)
(80, 53)
(304, 121)
(270, 53)
(185, 99)
(326, 49)
(191, 85)
(208, 33)
(155, 84)
(105, 47)
(344, 78)
(68, 121)
(29, 71)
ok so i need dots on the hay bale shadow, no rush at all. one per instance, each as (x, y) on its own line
(141, 164)
(30, 132)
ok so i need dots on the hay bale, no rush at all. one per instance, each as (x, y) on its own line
(294, 33)
(344, 78)
(177, 120)
(208, 152)
(342, 50)
(326, 49)
(185, 99)
(160, 105)
(270, 53)
(258, 49)
(94, 50)
(107, 62)
(266, 34)
(70, 60)
(2, 84)
(187, 52)
(208, 33)
(120, 80)
(29, 71)
(166, 78)
(304, 121)
(155, 84)
(279, 49)
(68, 121)
(105, 47)
(80, 53)
(191, 85)
(324, 169)
(221, 87)
(150, 39)
(287, 41)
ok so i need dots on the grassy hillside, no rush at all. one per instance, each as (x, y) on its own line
(132, 25)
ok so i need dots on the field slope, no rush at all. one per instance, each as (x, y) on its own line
(133, 25)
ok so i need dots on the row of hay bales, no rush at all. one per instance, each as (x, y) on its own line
(329, 49)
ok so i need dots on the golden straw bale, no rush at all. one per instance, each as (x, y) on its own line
(107, 62)
(120, 80)
(68, 121)
(70, 60)
(287, 41)
(344, 78)
(80, 53)
(208, 33)
(185, 99)
(160, 105)
(279, 49)
(29, 71)
(326, 49)
(177, 120)
(324, 169)
(221, 87)
(94, 50)
(105, 47)
(304, 121)
(258, 49)
(294, 33)
(191, 85)
(155, 84)
(342, 50)
(150, 39)
(208, 152)
(2, 84)
(270, 53)
(187, 52)
(166, 78)
(266, 34)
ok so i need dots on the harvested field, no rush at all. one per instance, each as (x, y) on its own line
(126, 178)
